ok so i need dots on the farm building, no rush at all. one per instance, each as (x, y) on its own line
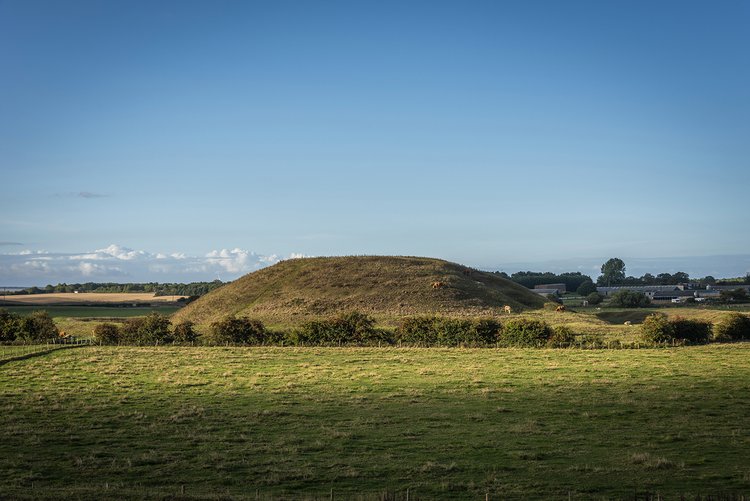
(560, 288)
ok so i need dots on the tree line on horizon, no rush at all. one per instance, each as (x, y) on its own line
(613, 274)
(158, 289)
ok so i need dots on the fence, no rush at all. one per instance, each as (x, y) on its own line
(16, 351)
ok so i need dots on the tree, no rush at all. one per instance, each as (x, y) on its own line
(10, 326)
(594, 298)
(39, 327)
(107, 333)
(184, 332)
(629, 299)
(681, 277)
(613, 272)
(586, 288)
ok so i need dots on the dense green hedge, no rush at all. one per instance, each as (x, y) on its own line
(442, 331)
(658, 329)
(358, 329)
(733, 327)
(36, 327)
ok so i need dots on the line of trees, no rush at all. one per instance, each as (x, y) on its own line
(159, 289)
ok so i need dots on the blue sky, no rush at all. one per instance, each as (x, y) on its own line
(487, 133)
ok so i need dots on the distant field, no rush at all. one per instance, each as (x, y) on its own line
(87, 298)
(286, 423)
(58, 311)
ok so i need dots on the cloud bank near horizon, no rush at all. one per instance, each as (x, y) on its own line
(117, 263)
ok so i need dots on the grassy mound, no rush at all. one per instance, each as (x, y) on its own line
(298, 289)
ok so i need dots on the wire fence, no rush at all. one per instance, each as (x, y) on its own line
(17, 351)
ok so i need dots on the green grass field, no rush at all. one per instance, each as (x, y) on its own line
(286, 423)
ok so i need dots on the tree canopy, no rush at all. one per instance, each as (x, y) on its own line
(613, 272)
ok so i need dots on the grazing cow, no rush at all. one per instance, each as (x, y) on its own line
(560, 308)
(627, 322)
(438, 285)
(507, 309)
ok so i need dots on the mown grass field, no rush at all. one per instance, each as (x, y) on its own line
(288, 423)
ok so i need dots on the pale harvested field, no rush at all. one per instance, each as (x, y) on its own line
(88, 298)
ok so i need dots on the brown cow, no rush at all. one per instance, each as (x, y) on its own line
(507, 309)
(560, 308)
(437, 285)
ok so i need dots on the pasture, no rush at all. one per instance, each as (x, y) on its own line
(294, 423)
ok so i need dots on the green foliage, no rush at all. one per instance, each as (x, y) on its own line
(529, 279)
(732, 327)
(442, 331)
(586, 288)
(236, 331)
(561, 337)
(39, 326)
(11, 326)
(594, 298)
(165, 289)
(417, 331)
(153, 329)
(184, 333)
(657, 328)
(613, 272)
(738, 295)
(692, 331)
(525, 332)
(629, 299)
(107, 333)
(351, 328)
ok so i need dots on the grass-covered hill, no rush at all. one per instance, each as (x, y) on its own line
(383, 286)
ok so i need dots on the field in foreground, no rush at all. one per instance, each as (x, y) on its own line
(446, 423)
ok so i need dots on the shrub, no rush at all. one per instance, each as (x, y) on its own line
(657, 328)
(586, 288)
(39, 327)
(107, 333)
(11, 326)
(420, 331)
(561, 337)
(347, 328)
(594, 298)
(237, 330)
(732, 327)
(153, 329)
(455, 332)
(432, 331)
(692, 331)
(629, 299)
(525, 332)
(487, 330)
(184, 333)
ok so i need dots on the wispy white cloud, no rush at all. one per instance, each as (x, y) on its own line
(80, 194)
(120, 264)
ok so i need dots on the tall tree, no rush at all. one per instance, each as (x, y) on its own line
(613, 272)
